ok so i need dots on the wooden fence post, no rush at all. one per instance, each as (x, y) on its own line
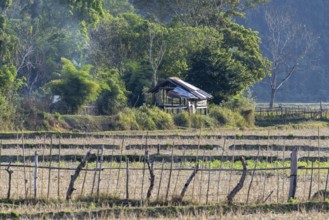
(24, 169)
(196, 169)
(311, 182)
(127, 178)
(170, 172)
(208, 188)
(152, 177)
(178, 173)
(95, 173)
(76, 175)
(239, 186)
(293, 174)
(100, 169)
(143, 177)
(220, 167)
(158, 149)
(10, 172)
(110, 171)
(160, 181)
(49, 170)
(35, 173)
(59, 170)
(252, 176)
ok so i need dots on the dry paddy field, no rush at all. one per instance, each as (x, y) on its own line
(150, 170)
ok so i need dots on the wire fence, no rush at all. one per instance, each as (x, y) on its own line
(202, 169)
(128, 180)
(291, 111)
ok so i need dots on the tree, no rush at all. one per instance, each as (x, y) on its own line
(157, 50)
(195, 12)
(288, 45)
(47, 30)
(112, 98)
(9, 84)
(137, 77)
(117, 7)
(89, 11)
(228, 67)
(118, 39)
(75, 86)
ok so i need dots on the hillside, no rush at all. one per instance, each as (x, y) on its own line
(310, 82)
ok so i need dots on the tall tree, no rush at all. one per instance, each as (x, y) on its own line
(75, 86)
(117, 7)
(228, 67)
(47, 30)
(8, 73)
(195, 12)
(113, 96)
(157, 49)
(288, 44)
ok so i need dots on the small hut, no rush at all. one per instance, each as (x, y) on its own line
(175, 95)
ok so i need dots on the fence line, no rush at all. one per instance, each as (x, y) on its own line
(131, 181)
(284, 112)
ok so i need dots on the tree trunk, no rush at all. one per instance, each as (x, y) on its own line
(273, 93)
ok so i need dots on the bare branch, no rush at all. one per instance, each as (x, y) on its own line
(288, 45)
(155, 61)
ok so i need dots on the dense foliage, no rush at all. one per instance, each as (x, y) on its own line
(75, 86)
(115, 50)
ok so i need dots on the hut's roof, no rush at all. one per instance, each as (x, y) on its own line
(182, 89)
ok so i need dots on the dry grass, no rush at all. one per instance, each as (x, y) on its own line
(210, 187)
(105, 210)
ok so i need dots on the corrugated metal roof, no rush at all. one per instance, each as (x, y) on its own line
(182, 93)
(195, 91)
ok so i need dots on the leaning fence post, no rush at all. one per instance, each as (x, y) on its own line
(76, 175)
(293, 174)
(35, 173)
(310, 190)
(239, 186)
(196, 169)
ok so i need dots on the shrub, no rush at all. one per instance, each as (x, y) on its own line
(201, 121)
(161, 119)
(144, 121)
(245, 106)
(221, 115)
(182, 119)
(227, 117)
(126, 120)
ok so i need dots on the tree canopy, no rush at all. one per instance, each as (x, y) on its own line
(75, 86)
(131, 46)
(230, 66)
